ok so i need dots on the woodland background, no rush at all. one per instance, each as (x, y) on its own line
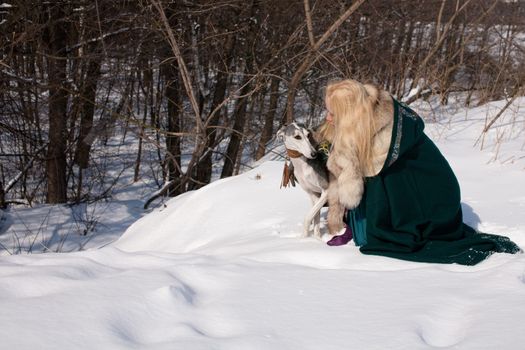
(204, 85)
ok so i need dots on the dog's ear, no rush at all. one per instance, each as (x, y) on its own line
(280, 134)
(311, 137)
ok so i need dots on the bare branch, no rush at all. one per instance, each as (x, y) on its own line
(312, 57)
(500, 113)
(309, 25)
(182, 65)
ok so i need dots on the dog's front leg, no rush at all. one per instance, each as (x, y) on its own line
(307, 219)
(314, 215)
(317, 225)
(316, 219)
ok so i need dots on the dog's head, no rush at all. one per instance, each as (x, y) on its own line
(297, 137)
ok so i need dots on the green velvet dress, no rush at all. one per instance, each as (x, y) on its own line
(411, 210)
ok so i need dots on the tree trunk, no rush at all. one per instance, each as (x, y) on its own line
(87, 112)
(173, 142)
(58, 96)
(240, 110)
(2, 197)
(235, 139)
(267, 131)
(203, 170)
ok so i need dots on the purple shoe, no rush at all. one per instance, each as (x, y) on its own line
(341, 239)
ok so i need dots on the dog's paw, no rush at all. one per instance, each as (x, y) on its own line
(306, 231)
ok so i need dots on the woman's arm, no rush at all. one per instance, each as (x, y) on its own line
(349, 186)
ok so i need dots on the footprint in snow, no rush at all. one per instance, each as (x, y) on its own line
(445, 326)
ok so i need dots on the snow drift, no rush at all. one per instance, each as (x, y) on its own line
(224, 267)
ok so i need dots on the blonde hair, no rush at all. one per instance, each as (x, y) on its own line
(325, 132)
(353, 106)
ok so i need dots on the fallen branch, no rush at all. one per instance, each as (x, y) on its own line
(161, 192)
(12, 182)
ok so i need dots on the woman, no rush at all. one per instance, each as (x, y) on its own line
(401, 196)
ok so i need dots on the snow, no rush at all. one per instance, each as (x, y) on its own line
(224, 267)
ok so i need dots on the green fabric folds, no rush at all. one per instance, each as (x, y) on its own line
(412, 206)
(356, 219)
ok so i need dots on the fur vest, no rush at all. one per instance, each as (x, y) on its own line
(347, 178)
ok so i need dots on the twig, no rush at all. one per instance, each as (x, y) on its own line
(509, 102)
(13, 181)
(500, 113)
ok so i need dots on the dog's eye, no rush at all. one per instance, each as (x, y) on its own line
(297, 137)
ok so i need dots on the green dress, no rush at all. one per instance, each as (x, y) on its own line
(411, 210)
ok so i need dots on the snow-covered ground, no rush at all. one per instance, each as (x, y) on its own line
(224, 267)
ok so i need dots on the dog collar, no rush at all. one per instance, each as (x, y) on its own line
(293, 154)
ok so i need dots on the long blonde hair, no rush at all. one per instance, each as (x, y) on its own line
(353, 106)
